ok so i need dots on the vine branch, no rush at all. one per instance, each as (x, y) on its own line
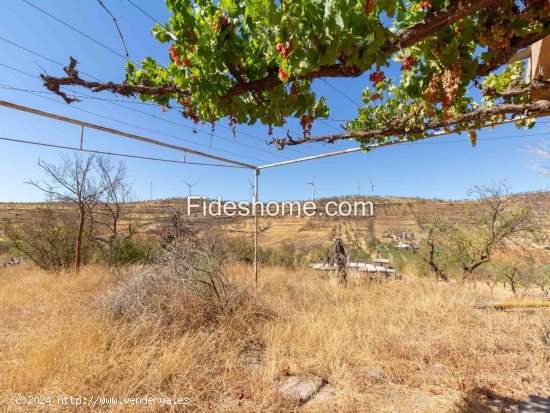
(124, 89)
(539, 108)
(407, 37)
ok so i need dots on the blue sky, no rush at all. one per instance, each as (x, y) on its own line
(443, 168)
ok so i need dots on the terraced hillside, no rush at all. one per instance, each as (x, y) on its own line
(391, 215)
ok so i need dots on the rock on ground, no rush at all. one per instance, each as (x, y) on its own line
(306, 389)
(534, 404)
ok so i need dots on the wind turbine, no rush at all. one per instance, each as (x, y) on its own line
(312, 183)
(190, 186)
(251, 188)
(371, 187)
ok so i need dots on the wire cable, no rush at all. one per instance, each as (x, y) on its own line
(145, 113)
(130, 102)
(342, 93)
(49, 145)
(145, 129)
(144, 12)
(77, 31)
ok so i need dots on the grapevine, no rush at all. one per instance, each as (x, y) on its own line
(497, 29)
(235, 59)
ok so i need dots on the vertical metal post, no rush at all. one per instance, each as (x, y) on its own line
(256, 230)
(81, 137)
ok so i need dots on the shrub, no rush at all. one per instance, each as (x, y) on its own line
(49, 240)
(240, 249)
(315, 253)
(4, 247)
(285, 256)
(186, 289)
(124, 251)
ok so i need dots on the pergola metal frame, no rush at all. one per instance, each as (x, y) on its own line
(256, 168)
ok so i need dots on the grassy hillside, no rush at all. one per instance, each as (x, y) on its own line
(391, 215)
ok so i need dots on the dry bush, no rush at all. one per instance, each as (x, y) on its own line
(186, 289)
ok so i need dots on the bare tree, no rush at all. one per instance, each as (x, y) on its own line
(74, 182)
(115, 208)
(176, 228)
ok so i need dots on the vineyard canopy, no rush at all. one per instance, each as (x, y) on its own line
(256, 61)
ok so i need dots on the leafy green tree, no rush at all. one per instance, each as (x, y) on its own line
(495, 222)
(256, 60)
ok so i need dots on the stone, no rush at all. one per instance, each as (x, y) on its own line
(534, 404)
(306, 389)
(253, 355)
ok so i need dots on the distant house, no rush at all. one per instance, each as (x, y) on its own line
(408, 245)
(546, 248)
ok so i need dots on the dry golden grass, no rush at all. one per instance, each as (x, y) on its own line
(401, 346)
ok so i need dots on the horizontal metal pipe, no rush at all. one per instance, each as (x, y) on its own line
(388, 143)
(119, 133)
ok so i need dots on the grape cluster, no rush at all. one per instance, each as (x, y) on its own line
(283, 50)
(497, 36)
(377, 77)
(432, 92)
(221, 21)
(444, 88)
(306, 122)
(185, 102)
(174, 55)
(369, 5)
(473, 137)
(191, 114)
(451, 83)
(233, 124)
(163, 108)
(426, 4)
(497, 28)
(407, 63)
